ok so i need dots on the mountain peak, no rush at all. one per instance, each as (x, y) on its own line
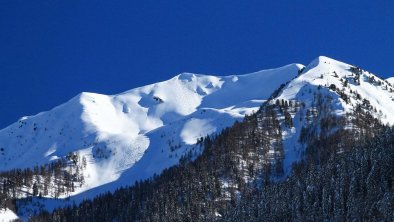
(324, 62)
(351, 85)
(324, 59)
(186, 76)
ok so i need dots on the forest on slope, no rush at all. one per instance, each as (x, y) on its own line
(318, 149)
(346, 173)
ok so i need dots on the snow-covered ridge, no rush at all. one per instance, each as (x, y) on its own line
(138, 133)
(347, 79)
(348, 87)
(391, 80)
(132, 135)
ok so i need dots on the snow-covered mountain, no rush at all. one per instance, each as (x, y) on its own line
(138, 133)
(135, 134)
(347, 86)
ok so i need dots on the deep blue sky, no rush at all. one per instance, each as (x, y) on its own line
(52, 50)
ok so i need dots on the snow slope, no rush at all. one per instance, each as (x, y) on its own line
(138, 133)
(325, 72)
(7, 215)
(318, 77)
(132, 135)
(391, 80)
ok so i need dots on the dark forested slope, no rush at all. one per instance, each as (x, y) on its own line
(345, 174)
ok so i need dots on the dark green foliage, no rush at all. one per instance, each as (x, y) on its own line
(196, 190)
(288, 120)
(51, 179)
(351, 185)
(345, 174)
(345, 84)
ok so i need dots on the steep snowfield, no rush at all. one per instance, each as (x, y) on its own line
(391, 80)
(325, 71)
(132, 135)
(7, 215)
(320, 75)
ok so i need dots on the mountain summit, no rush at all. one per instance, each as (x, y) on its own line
(116, 140)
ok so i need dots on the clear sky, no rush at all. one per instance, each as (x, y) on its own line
(52, 50)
